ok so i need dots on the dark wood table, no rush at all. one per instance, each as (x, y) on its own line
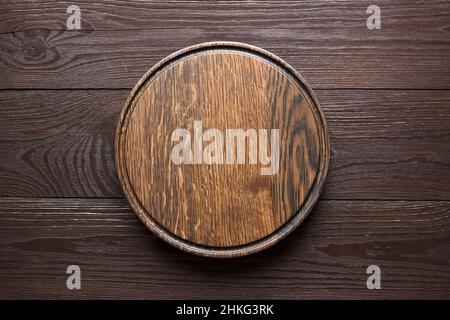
(386, 95)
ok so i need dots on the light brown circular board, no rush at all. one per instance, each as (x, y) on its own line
(222, 149)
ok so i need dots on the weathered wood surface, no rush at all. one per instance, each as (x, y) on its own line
(325, 257)
(386, 144)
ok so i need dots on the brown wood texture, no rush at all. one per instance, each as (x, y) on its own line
(326, 256)
(114, 59)
(23, 15)
(390, 142)
(386, 144)
(328, 42)
(221, 208)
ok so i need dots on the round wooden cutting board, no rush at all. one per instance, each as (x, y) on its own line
(222, 149)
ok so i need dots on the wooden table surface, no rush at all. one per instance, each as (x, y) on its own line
(386, 96)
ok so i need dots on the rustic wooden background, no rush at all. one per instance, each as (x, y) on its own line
(386, 94)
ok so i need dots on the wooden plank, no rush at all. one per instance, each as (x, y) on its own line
(385, 144)
(388, 144)
(59, 143)
(326, 257)
(326, 57)
(413, 15)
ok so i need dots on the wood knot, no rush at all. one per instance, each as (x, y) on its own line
(34, 49)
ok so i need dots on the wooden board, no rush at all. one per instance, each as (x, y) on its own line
(386, 144)
(338, 58)
(222, 149)
(410, 52)
(385, 94)
(403, 15)
(326, 257)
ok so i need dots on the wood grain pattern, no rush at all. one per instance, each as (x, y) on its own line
(403, 15)
(387, 144)
(336, 58)
(326, 257)
(59, 143)
(222, 209)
